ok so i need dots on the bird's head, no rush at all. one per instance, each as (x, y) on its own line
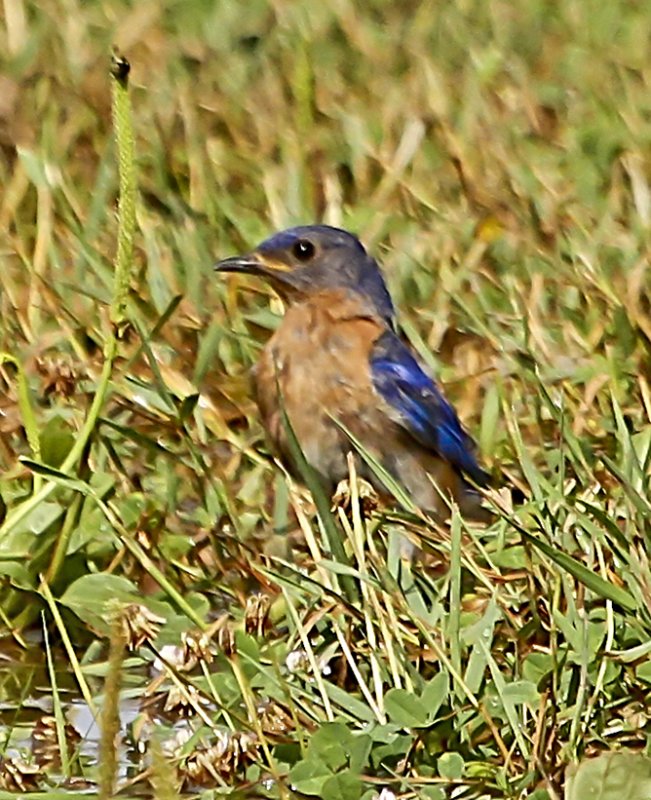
(301, 261)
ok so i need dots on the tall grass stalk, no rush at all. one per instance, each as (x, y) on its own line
(110, 716)
(121, 281)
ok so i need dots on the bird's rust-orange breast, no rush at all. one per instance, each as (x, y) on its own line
(317, 361)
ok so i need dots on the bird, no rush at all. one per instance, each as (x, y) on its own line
(337, 364)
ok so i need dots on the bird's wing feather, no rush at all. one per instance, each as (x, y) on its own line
(415, 403)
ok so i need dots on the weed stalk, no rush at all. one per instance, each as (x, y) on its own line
(123, 265)
(110, 717)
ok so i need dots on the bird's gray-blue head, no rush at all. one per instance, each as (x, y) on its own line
(300, 261)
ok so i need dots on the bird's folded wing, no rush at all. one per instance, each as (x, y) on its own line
(414, 402)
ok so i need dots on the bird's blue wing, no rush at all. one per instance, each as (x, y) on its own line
(417, 405)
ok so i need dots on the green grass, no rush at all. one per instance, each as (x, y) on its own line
(495, 157)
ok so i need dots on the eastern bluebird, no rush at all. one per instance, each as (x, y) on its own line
(336, 354)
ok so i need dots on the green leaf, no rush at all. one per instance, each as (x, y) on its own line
(17, 574)
(334, 754)
(643, 672)
(521, 692)
(432, 792)
(450, 765)
(40, 519)
(536, 666)
(353, 705)
(405, 709)
(435, 694)
(88, 597)
(394, 750)
(476, 634)
(56, 440)
(309, 776)
(512, 557)
(611, 776)
(19, 543)
(328, 734)
(56, 476)
(343, 786)
(338, 747)
(359, 751)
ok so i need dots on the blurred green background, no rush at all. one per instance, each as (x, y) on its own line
(495, 157)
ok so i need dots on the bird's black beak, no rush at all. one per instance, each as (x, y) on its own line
(278, 273)
(248, 264)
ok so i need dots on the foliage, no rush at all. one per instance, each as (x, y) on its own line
(495, 157)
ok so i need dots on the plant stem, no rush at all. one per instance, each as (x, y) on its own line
(123, 266)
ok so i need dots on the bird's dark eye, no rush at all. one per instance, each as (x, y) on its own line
(303, 249)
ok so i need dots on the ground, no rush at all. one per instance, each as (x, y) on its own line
(495, 157)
